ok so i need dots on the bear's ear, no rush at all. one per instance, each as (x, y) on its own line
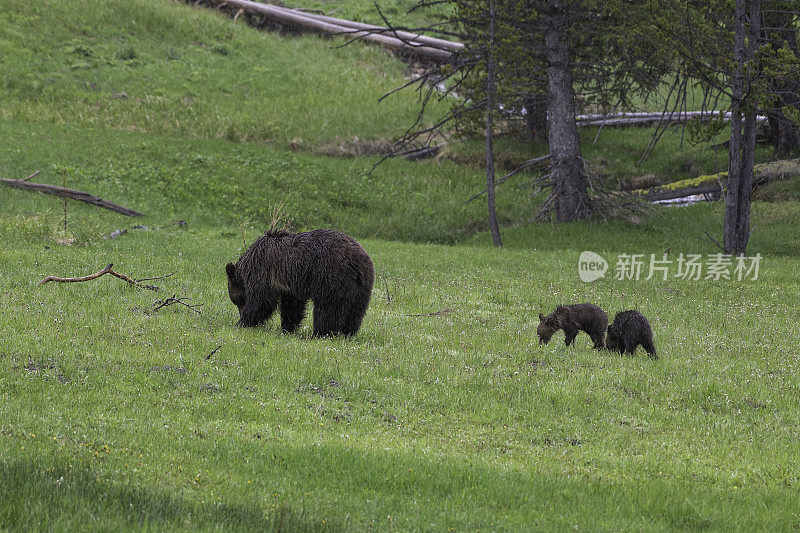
(541, 317)
(609, 329)
(230, 268)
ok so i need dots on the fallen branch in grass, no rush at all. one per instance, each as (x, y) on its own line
(176, 300)
(213, 352)
(435, 313)
(106, 270)
(72, 194)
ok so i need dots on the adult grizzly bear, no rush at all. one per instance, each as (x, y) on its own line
(287, 269)
(572, 319)
(629, 330)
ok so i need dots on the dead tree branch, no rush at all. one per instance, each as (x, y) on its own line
(174, 299)
(72, 194)
(106, 270)
(213, 352)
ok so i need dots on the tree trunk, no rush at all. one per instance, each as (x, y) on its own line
(536, 117)
(736, 225)
(784, 135)
(566, 167)
(490, 103)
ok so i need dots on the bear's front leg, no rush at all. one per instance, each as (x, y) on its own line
(570, 335)
(293, 311)
(255, 311)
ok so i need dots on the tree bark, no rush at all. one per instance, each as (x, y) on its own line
(566, 167)
(736, 224)
(490, 103)
(784, 134)
(536, 117)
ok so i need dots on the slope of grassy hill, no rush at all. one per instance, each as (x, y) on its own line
(166, 68)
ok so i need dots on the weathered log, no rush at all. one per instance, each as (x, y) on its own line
(71, 194)
(403, 35)
(629, 119)
(304, 21)
(764, 173)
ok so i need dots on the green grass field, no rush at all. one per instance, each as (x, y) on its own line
(443, 412)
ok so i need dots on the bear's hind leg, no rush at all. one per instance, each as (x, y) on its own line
(293, 310)
(630, 346)
(328, 319)
(353, 319)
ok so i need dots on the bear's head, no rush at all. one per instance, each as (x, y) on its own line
(235, 286)
(545, 330)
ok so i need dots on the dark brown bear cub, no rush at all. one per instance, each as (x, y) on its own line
(287, 269)
(572, 319)
(629, 330)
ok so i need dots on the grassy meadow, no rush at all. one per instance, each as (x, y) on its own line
(443, 413)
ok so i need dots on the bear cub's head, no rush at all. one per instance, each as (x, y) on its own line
(235, 286)
(547, 327)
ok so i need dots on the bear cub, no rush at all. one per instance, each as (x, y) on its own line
(572, 319)
(286, 270)
(629, 330)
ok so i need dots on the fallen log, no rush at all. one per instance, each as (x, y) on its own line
(307, 22)
(69, 193)
(400, 34)
(633, 118)
(713, 183)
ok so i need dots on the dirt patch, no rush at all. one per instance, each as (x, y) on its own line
(340, 147)
(43, 369)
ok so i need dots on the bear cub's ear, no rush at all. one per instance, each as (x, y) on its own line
(230, 268)
(541, 317)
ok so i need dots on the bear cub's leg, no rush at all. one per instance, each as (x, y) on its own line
(569, 335)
